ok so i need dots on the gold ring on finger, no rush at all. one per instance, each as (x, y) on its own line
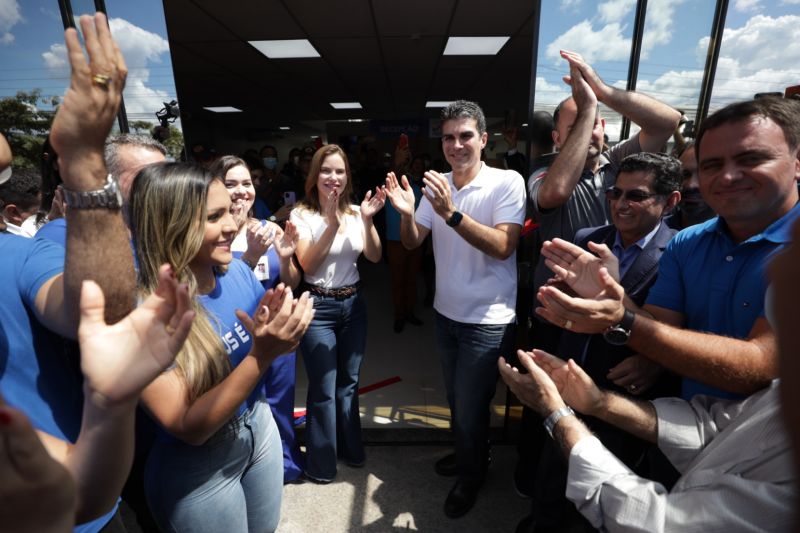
(101, 80)
(568, 324)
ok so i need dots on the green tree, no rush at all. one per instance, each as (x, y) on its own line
(139, 126)
(25, 124)
(174, 143)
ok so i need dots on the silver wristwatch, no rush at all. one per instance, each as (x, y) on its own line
(551, 421)
(109, 197)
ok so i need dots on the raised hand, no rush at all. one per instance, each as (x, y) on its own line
(579, 269)
(259, 238)
(32, 480)
(584, 315)
(90, 104)
(585, 98)
(437, 191)
(373, 204)
(574, 385)
(597, 85)
(278, 323)
(401, 197)
(119, 361)
(536, 389)
(286, 241)
(329, 208)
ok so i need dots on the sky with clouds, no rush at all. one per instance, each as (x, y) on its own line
(759, 51)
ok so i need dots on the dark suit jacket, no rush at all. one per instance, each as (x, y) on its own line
(602, 356)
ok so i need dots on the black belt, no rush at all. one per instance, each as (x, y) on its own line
(340, 293)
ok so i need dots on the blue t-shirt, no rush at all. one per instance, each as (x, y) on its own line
(238, 288)
(717, 285)
(35, 374)
(55, 230)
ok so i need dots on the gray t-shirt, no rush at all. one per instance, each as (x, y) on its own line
(586, 207)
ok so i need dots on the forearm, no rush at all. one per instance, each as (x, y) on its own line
(290, 274)
(493, 242)
(208, 413)
(657, 120)
(563, 175)
(372, 243)
(568, 431)
(98, 246)
(101, 458)
(733, 365)
(313, 254)
(636, 417)
(409, 232)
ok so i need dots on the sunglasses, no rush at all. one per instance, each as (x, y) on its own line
(633, 195)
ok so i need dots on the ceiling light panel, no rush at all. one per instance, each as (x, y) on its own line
(346, 105)
(285, 49)
(224, 109)
(474, 46)
(437, 103)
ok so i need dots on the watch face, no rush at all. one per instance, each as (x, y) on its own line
(616, 336)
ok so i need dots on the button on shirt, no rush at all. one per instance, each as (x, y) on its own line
(717, 284)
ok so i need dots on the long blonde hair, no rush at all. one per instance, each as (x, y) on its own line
(167, 216)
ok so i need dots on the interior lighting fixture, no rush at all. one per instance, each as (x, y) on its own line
(286, 49)
(474, 46)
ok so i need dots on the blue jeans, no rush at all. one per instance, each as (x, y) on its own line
(469, 354)
(232, 483)
(333, 348)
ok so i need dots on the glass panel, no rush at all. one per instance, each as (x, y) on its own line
(674, 48)
(601, 33)
(759, 51)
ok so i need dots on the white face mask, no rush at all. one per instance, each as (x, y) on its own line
(28, 226)
(270, 163)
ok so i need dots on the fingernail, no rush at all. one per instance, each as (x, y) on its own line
(5, 418)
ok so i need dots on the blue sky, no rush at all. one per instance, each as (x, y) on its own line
(759, 51)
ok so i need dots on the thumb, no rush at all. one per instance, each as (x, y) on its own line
(92, 307)
(577, 373)
(404, 181)
(600, 249)
(611, 287)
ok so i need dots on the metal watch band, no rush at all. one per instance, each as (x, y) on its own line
(552, 419)
(109, 197)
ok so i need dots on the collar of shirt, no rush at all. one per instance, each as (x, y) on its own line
(778, 232)
(477, 182)
(641, 243)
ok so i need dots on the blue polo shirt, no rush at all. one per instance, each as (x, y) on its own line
(717, 285)
(35, 376)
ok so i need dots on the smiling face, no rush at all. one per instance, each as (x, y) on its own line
(748, 174)
(220, 229)
(462, 144)
(332, 176)
(634, 220)
(242, 192)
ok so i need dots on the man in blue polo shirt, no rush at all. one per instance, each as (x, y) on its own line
(704, 318)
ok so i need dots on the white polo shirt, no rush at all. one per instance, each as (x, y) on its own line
(472, 287)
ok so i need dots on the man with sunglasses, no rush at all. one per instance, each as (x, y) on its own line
(704, 317)
(647, 188)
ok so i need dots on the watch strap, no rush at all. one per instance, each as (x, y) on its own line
(454, 220)
(553, 418)
(109, 197)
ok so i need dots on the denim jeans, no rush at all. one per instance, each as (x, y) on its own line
(469, 354)
(333, 348)
(231, 483)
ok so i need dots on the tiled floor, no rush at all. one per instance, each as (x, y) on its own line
(418, 400)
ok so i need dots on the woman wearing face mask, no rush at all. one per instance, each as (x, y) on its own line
(216, 462)
(268, 251)
(332, 234)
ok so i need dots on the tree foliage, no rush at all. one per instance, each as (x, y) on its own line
(25, 124)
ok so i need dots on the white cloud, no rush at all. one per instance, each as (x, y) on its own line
(548, 95)
(615, 10)
(139, 48)
(747, 6)
(605, 44)
(754, 58)
(570, 5)
(10, 16)
(790, 2)
(608, 42)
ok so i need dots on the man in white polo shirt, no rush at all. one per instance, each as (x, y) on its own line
(475, 214)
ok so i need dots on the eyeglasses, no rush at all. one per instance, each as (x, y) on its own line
(634, 195)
